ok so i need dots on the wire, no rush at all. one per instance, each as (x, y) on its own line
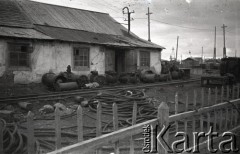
(181, 26)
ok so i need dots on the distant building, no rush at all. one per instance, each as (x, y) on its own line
(191, 62)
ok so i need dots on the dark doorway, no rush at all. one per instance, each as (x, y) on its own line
(120, 61)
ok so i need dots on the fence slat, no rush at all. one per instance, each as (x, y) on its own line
(57, 128)
(227, 92)
(221, 120)
(226, 119)
(222, 94)
(115, 127)
(186, 102)
(232, 117)
(30, 133)
(163, 119)
(215, 121)
(1, 136)
(202, 97)
(134, 118)
(233, 91)
(176, 109)
(216, 95)
(208, 120)
(99, 124)
(238, 90)
(209, 97)
(80, 123)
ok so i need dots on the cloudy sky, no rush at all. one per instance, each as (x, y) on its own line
(192, 20)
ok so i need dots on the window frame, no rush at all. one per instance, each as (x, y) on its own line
(81, 68)
(146, 59)
(11, 46)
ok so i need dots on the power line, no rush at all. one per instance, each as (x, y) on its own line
(181, 26)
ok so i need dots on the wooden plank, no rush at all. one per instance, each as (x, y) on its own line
(216, 95)
(176, 110)
(186, 102)
(99, 124)
(134, 119)
(30, 133)
(57, 129)
(222, 94)
(115, 127)
(202, 98)
(163, 120)
(80, 123)
(209, 97)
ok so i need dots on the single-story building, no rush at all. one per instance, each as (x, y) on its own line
(36, 38)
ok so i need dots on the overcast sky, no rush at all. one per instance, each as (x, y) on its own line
(192, 20)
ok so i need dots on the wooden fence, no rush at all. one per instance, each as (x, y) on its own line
(217, 111)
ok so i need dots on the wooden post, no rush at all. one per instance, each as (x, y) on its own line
(80, 123)
(216, 95)
(231, 117)
(202, 97)
(30, 133)
(57, 128)
(134, 118)
(194, 106)
(115, 127)
(222, 94)
(99, 124)
(209, 97)
(163, 119)
(201, 122)
(176, 109)
(236, 118)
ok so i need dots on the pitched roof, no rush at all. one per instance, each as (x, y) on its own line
(69, 24)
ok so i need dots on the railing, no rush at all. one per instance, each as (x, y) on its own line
(222, 116)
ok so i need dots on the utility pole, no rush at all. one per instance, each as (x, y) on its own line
(177, 48)
(224, 45)
(202, 55)
(173, 52)
(214, 50)
(148, 14)
(129, 17)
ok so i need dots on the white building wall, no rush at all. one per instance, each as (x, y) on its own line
(52, 56)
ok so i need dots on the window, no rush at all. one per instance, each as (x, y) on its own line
(81, 57)
(19, 54)
(144, 58)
